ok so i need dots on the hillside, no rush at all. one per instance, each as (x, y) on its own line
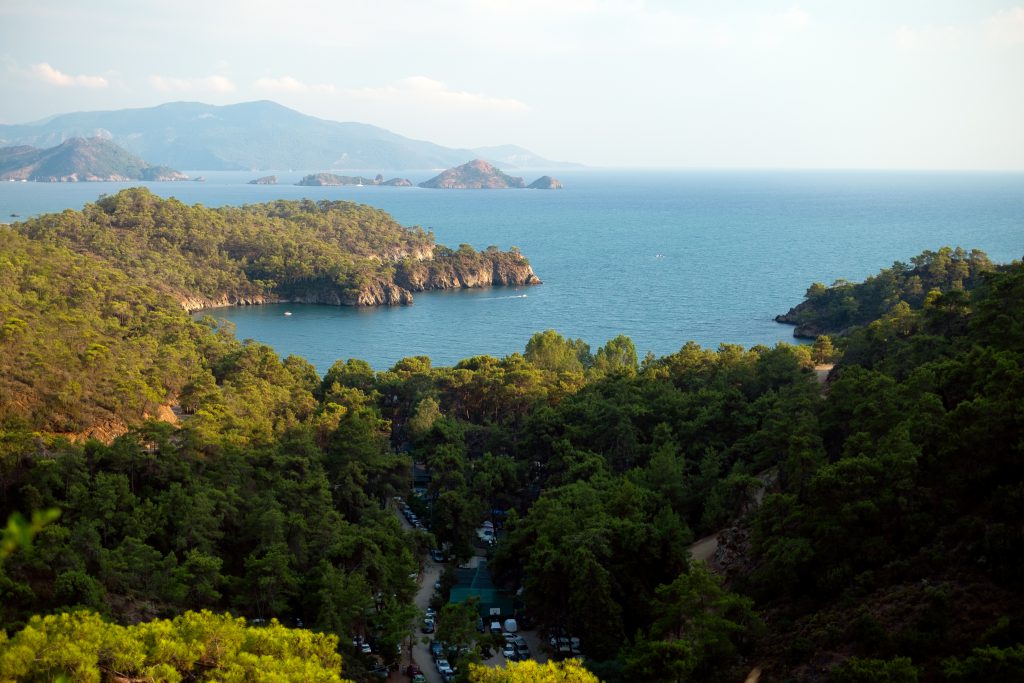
(847, 305)
(868, 532)
(79, 160)
(249, 135)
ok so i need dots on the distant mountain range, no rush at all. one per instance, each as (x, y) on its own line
(79, 160)
(255, 135)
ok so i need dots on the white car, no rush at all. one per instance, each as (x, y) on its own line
(509, 652)
(444, 668)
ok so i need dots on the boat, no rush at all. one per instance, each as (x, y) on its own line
(287, 312)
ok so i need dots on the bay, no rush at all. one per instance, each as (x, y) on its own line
(661, 256)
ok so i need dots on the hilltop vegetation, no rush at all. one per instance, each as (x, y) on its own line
(872, 529)
(846, 305)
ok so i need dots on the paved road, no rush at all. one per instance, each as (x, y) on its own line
(420, 652)
(420, 649)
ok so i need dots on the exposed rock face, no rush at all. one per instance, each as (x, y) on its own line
(80, 160)
(448, 274)
(265, 180)
(474, 175)
(417, 272)
(545, 182)
(331, 179)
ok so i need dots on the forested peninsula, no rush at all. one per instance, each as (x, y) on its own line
(327, 252)
(868, 528)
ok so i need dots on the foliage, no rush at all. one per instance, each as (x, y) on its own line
(856, 670)
(569, 671)
(199, 646)
(844, 305)
(19, 531)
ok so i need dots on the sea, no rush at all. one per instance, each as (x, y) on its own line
(662, 256)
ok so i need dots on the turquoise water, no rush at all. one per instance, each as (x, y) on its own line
(662, 256)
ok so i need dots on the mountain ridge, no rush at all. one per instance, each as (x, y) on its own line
(259, 135)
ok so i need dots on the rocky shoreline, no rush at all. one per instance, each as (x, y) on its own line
(500, 270)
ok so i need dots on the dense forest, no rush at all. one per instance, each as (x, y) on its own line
(869, 528)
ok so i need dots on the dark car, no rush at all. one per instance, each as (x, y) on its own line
(413, 670)
(436, 555)
(436, 649)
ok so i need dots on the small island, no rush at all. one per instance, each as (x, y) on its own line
(545, 182)
(473, 175)
(331, 179)
(80, 160)
(265, 180)
(481, 175)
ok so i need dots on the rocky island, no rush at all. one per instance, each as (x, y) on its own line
(265, 180)
(481, 175)
(80, 160)
(545, 182)
(331, 179)
(473, 175)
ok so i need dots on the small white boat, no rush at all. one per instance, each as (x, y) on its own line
(287, 312)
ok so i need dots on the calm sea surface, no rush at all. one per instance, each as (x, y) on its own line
(661, 256)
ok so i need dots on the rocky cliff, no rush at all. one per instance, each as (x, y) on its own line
(474, 175)
(265, 180)
(418, 272)
(491, 269)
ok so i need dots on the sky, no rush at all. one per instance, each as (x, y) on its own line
(915, 84)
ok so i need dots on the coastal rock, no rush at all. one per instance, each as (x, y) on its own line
(379, 293)
(545, 182)
(804, 329)
(492, 269)
(474, 175)
(265, 180)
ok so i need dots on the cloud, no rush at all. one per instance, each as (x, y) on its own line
(293, 85)
(427, 92)
(218, 84)
(929, 38)
(48, 74)
(1007, 26)
(794, 18)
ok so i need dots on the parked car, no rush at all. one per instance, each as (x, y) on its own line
(509, 652)
(436, 555)
(444, 668)
(419, 678)
(366, 649)
(436, 648)
(413, 670)
(428, 625)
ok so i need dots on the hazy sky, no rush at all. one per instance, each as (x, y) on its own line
(818, 83)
